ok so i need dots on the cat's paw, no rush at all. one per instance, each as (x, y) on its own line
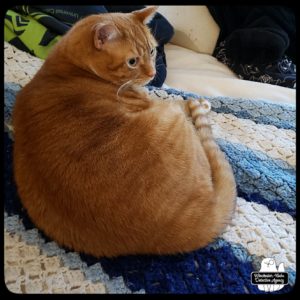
(199, 107)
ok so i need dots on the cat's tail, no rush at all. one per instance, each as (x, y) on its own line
(221, 171)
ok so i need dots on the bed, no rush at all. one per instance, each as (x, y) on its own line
(254, 124)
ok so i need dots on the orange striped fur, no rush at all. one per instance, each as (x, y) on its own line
(104, 169)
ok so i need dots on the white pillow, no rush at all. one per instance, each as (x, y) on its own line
(195, 28)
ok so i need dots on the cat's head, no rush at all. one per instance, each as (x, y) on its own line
(117, 47)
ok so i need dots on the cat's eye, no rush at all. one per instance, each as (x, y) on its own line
(152, 51)
(132, 62)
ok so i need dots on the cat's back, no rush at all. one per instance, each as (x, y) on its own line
(72, 132)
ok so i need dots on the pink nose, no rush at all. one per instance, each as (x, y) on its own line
(151, 73)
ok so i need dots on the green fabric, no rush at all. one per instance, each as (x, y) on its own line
(29, 32)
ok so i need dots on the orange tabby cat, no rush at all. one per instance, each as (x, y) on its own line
(104, 169)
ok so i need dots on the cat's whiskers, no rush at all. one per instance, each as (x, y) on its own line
(93, 69)
(123, 86)
(126, 84)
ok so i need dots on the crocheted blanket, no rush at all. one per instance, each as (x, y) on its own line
(258, 138)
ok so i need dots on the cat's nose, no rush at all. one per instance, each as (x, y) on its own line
(151, 73)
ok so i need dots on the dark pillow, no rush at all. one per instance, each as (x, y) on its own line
(70, 14)
(161, 28)
(257, 33)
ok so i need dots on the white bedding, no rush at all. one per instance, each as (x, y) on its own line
(205, 75)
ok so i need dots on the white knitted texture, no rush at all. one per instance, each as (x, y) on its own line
(277, 143)
(263, 232)
(33, 266)
(19, 66)
(27, 270)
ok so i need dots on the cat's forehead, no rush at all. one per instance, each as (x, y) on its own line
(131, 29)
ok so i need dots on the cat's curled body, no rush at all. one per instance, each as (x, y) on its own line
(104, 169)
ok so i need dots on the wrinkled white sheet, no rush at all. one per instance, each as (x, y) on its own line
(205, 75)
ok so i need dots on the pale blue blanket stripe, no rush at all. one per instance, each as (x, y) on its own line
(256, 172)
(259, 111)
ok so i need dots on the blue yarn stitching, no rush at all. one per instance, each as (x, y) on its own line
(259, 111)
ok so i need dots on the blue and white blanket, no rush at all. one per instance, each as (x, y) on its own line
(258, 138)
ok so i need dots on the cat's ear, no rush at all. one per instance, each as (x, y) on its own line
(145, 15)
(104, 33)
